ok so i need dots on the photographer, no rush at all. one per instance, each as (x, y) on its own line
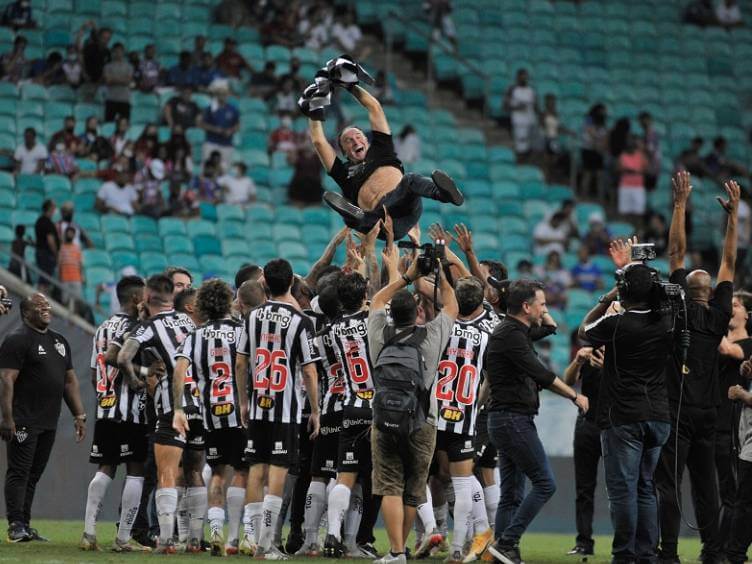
(632, 403)
(694, 394)
(515, 374)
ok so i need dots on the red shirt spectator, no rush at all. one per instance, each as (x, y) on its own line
(230, 62)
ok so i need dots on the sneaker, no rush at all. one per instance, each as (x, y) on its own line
(167, 547)
(88, 542)
(131, 545)
(354, 553)
(231, 548)
(368, 548)
(311, 550)
(448, 191)
(487, 557)
(479, 545)
(145, 540)
(247, 546)
(35, 536)
(193, 546)
(455, 557)
(272, 554)
(342, 206)
(333, 548)
(442, 547)
(390, 558)
(508, 554)
(581, 551)
(428, 542)
(217, 543)
(294, 542)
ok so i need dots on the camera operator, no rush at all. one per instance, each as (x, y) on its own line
(632, 405)
(515, 374)
(694, 395)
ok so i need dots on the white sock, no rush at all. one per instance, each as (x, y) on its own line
(166, 500)
(271, 508)
(252, 520)
(216, 518)
(491, 496)
(183, 521)
(478, 515)
(314, 508)
(235, 499)
(441, 513)
(354, 515)
(463, 506)
(129, 504)
(425, 513)
(206, 473)
(196, 503)
(97, 490)
(339, 501)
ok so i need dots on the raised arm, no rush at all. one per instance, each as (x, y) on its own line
(384, 295)
(677, 235)
(465, 242)
(324, 150)
(572, 372)
(376, 114)
(728, 261)
(448, 299)
(326, 257)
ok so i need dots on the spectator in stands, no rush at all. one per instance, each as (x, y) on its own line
(48, 71)
(234, 13)
(306, 187)
(551, 234)
(231, 63)
(283, 138)
(567, 208)
(14, 63)
(180, 202)
(148, 183)
(700, 12)
(407, 145)
(118, 196)
(744, 230)
(91, 144)
(728, 14)
(346, 34)
(594, 145)
(183, 73)
(96, 51)
(178, 153)
(18, 248)
(520, 102)
(204, 187)
(652, 145)
(439, 15)
(618, 137)
(656, 232)
(149, 70)
(70, 268)
(382, 88)
(63, 162)
(282, 29)
(286, 100)
(31, 156)
(48, 245)
(632, 166)
(72, 66)
(315, 28)
(298, 82)
(181, 110)
(66, 136)
(199, 50)
(720, 167)
(556, 278)
(598, 238)
(118, 74)
(221, 121)
(66, 222)
(691, 160)
(119, 139)
(206, 72)
(525, 269)
(264, 83)
(556, 159)
(586, 275)
(18, 15)
(237, 187)
(147, 144)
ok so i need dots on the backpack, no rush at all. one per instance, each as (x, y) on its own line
(401, 401)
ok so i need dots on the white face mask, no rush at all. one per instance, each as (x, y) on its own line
(236, 172)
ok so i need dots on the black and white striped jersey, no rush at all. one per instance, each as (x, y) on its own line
(460, 373)
(332, 377)
(115, 400)
(349, 336)
(278, 339)
(164, 333)
(211, 351)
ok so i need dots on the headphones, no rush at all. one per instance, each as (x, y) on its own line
(623, 285)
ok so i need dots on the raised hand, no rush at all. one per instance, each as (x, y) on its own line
(734, 193)
(437, 232)
(621, 251)
(583, 355)
(464, 238)
(388, 225)
(681, 187)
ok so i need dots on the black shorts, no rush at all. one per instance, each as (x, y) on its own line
(326, 446)
(486, 455)
(458, 447)
(354, 449)
(226, 446)
(165, 435)
(272, 443)
(115, 442)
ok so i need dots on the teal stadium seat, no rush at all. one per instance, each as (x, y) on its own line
(178, 244)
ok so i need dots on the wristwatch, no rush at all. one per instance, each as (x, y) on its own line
(605, 299)
(407, 280)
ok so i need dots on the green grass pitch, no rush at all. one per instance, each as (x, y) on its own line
(64, 536)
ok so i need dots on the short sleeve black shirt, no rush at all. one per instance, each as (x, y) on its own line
(351, 176)
(184, 113)
(42, 360)
(728, 375)
(633, 383)
(43, 227)
(707, 326)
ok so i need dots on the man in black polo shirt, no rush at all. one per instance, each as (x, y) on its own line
(372, 177)
(36, 372)
(695, 395)
(515, 374)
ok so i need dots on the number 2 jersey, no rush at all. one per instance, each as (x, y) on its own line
(349, 337)
(211, 351)
(332, 377)
(115, 400)
(460, 373)
(277, 338)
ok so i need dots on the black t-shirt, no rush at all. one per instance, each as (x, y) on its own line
(42, 360)
(707, 326)
(590, 378)
(351, 176)
(633, 382)
(184, 113)
(728, 375)
(43, 227)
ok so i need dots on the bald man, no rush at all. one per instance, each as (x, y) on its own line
(695, 388)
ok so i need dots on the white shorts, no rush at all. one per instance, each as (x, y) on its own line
(632, 200)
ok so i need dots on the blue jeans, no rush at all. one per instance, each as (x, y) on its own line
(630, 455)
(521, 455)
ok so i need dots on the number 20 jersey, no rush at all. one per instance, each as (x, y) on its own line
(211, 351)
(460, 373)
(277, 338)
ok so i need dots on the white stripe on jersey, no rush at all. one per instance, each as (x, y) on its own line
(349, 336)
(333, 375)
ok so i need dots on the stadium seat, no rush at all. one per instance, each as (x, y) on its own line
(177, 244)
(121, 259)
(115, 224)
(205, 244)
(171, 226)
(227, 212)
(152, 263)
(145, 242)
(187, 261)
(118, 241)
(200, 227)
(96, 258)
